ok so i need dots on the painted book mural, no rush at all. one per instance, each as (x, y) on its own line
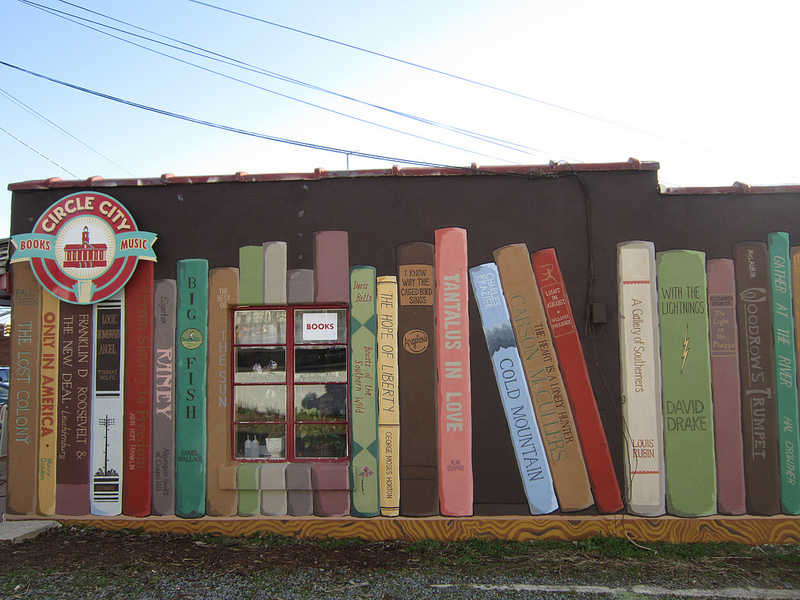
(350, 391)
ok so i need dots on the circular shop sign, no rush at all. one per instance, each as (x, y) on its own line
(84, 248)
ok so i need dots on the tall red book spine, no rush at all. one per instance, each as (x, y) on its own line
(591, 434)
(138, 398)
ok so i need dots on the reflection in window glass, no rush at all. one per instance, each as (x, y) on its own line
(260, 403)
(320, 402)
(320, 363)
(320, 326)
(260, 327)
(260, 441)
(320, 440)
(260, 364)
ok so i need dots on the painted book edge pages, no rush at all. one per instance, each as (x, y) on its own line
(785, 369)
(74, 407)
(48, 404)
(416, 335)
(591, 434)
(757, 376)
(689, 462)
(163, 486)
(138, 397)
(223, 293)
(642, 417)
(107, 406)
(725, 386)
(251, 275)
(547, 391)
(452, 355)
(363, 399)
(275, 259)
(331, 267)
(388, 397)
(534, 470)
(23, 416)
(190, 365)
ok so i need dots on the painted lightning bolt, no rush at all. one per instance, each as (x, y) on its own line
(685, 347)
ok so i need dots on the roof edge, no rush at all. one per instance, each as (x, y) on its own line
(553, 168)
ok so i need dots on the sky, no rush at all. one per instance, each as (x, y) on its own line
(707, 89)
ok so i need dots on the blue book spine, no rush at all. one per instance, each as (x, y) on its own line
(528, 447)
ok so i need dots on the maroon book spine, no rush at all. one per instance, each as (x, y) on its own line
(569, 349)
(137, 447)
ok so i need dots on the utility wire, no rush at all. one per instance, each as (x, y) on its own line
(250, 67)
(71, 18)
(37, 152)
(24, 106)
(262, 136)
(467, 80)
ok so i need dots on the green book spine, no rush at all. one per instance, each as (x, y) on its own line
(251, 275)
(785, 369)
(190, 391)
(363, 399)
(686, 384)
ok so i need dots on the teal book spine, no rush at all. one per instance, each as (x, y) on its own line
(785, 369)
(689, 457)
(363, 398)
(190, 390)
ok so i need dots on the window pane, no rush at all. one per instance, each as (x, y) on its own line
(260, 364)
(260, 403)
(320, 363)
(260, 441)
(320, 325)
(260, 327)
(320, 402)
(320, 440)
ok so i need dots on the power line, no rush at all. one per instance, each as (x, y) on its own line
(229, 128)
(37, 152)
(70, 18)
(24, 106)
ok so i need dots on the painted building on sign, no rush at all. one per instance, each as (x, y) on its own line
(411, 353)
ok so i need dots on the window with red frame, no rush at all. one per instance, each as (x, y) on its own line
(290, 382)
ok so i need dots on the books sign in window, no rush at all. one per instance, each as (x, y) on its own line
(319, 326)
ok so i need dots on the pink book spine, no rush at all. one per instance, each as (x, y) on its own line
(331, 267)
(725, 387)
(452, 342)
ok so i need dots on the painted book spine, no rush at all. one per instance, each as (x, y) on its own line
(563, 328)
(223, 293)
(48, 405)
(190, 388)
(300, 286)
(689, 461)
(163, 486)
(757, 377)
(275, 260)
(331, 266)
(363, 399)
(419, 457)
(138, 397)
(725, 387)
(786, 370)
(23, 418)
(528, 446)
(74, 410)
(251, 275)
(107, 407)
(452, 356)
(641, 378)
(388, 397)
(546, 386)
